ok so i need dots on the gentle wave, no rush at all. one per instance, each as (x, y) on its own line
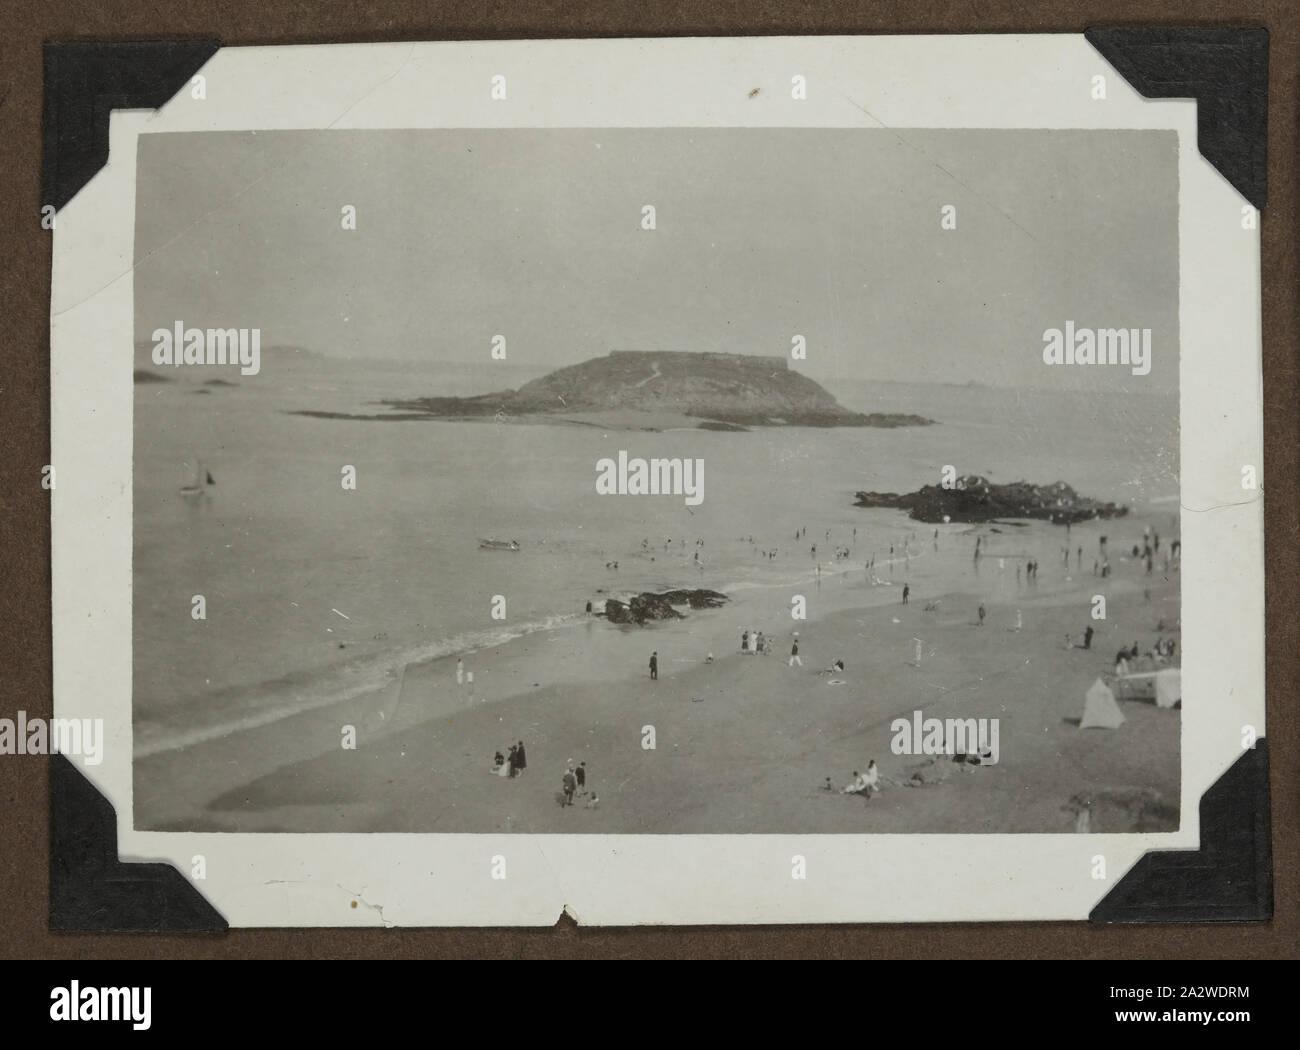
(268, 702)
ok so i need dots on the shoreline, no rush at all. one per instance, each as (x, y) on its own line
(575, 691)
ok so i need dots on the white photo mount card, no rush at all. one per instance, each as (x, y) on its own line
(692, 481)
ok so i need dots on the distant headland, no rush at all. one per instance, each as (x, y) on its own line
(653, 390)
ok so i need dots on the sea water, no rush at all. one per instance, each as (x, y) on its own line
(315, 592)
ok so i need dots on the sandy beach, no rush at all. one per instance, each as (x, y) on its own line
(744, 743)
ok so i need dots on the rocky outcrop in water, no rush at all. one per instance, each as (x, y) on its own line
(651, 606)
(973, 499)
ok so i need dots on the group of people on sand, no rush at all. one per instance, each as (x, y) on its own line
(512, 765)
(755, 643)
(1159, 655)
(865, 784)
(574, 782)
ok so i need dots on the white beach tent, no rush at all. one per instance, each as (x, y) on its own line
(1163, 687)
(1169, 686)
(1100, 711)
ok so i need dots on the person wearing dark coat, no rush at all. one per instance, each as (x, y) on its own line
(521, 757)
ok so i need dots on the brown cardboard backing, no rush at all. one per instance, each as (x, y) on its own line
(25, 25)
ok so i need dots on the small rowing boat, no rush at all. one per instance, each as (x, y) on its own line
(498, 545)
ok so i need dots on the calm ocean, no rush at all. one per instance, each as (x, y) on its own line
(315, 593)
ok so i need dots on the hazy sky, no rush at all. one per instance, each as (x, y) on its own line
(761, 234)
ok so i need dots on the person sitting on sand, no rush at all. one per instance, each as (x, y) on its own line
(863, 783)
(593, 801)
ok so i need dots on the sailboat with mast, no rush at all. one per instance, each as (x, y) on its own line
(195, 478)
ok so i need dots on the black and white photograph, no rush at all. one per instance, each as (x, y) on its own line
(657, 480)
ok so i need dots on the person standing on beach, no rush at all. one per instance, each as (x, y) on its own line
(521, 758)
(654, 666)
(580, 775)
(569, 784)
(513, 760)
(1087, 637)
(906, 591)
(460, 671)
(794, 654)
(983, 612)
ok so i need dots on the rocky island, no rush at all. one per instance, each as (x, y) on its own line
(652, 390)
(973, 499)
